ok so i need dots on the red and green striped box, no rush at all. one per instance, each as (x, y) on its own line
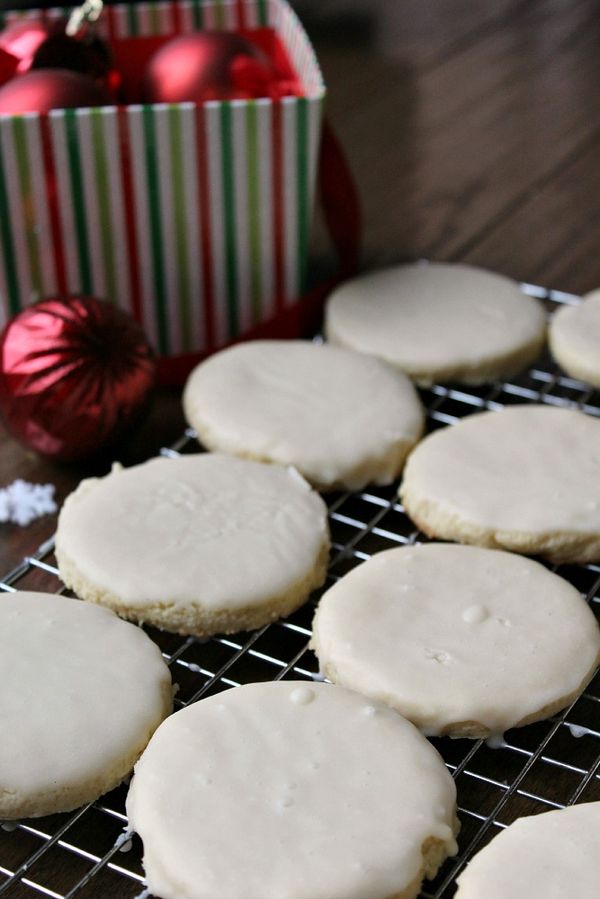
(193, 218)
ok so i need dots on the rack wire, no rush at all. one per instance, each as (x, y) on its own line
(547, 765)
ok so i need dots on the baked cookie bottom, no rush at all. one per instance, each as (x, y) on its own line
(474, 730)
(575, 365)
(380, 470)
(434, 855)
(559, 547)
(67, 797)
(470, 373)
(192, 619)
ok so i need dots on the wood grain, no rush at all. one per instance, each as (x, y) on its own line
(449, 145)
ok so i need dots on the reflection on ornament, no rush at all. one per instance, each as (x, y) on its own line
(44, 89)
(202, 66)
(22, 38)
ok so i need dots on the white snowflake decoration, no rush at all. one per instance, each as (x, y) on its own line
(22, 502)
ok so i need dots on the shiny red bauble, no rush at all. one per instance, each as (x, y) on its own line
(44, 89)
(201, 66)
(74, 374)
(31, 43)
(88, 55)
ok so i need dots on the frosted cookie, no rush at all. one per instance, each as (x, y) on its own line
(574, 337)
(462, 641)
(526, 478)
(201, 544)
(306, 791)
(439, 322)
(547, 856)
(342, 419)
(81, 693)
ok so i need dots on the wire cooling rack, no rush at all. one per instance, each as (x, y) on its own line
(547, 765)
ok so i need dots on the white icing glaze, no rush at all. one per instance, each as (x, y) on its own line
(339, 417)
(495, 741)
(577, 731)
(123, 842)
(291, 796)
(302, 695)
(549, 856)
(475, 614)
(437, 320)
(440, 652)
(523, 475)
(82, 691)
(575, 338)
(205, 529)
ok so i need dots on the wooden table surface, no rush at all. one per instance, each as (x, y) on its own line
(473, 131)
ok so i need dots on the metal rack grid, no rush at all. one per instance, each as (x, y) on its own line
(544, 766)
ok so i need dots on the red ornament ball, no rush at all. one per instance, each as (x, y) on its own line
(90, 55)
(41, 90)
(74, 374)
(201, 66)
(27, 44)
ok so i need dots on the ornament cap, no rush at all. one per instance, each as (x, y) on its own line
(89, 11)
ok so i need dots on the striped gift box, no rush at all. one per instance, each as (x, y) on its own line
(193, 218)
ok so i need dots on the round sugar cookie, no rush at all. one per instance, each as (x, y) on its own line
(547, 856)
(81, 693)
(341, 418)
(199, 545)
(462, 641)
(526, 478)
(574, 337)
(295, 790)
(439, 322)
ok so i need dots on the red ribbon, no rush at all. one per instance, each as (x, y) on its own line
(8, 66)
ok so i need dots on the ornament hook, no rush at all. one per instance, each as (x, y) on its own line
(89, 11)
